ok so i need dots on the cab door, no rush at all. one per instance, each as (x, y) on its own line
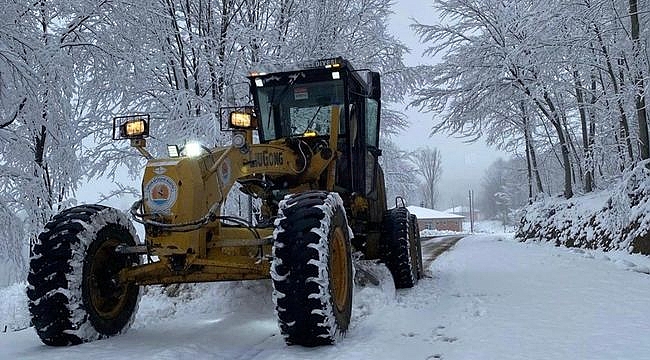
(372, 116)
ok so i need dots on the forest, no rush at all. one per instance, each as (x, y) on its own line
(559, 85)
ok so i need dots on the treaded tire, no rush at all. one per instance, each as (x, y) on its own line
(312, 268)
(73, 297)
(395, 248)
(416, 246)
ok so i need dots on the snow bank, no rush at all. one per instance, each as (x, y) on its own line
(615, 219)
(480, 227)
(13, 308)
(161, 303)
(426, 233)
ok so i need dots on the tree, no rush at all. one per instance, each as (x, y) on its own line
(502, 190)
(553, 74)
(399, 173)
(67, 67)
(44, 46)
(428, 165)
(644, 141)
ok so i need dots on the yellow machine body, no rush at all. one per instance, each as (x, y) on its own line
(183, 189)
(317, 129)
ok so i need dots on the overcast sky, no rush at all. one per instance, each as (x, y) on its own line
(463, 165)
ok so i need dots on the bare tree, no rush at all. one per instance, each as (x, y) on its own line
(399, 173)
(644, 141)
(502, 189)
(428, 165)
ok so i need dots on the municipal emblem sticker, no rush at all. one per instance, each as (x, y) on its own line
(160, 193)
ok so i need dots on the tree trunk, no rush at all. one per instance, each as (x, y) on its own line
(556, 120)
(638, 82)
(585, 132)
(223, 34)
(531, 158)
(619, 150)
(573, 149)
(623, 123)
(529, 166)
(552, 115)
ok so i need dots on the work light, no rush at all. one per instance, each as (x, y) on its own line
(131, 127)
(193, 149)
(241, 120)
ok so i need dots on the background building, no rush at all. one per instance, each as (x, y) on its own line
(430, 219)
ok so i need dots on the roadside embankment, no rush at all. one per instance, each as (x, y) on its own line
(613, 219)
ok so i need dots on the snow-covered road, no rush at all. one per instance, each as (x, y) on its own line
(487, 298)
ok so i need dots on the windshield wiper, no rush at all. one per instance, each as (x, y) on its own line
(311, 122)
(273, 101)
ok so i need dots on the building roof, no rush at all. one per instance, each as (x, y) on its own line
(424, 213)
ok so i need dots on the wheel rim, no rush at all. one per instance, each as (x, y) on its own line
(339, 264)
(107, 294)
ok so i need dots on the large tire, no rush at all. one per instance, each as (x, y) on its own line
(312, 268)
(416, 246)
(396, 248)
(73, 292)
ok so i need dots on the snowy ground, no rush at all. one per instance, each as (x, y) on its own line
(487, 298)
(480, 227)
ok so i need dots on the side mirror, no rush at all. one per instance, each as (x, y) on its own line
(374, 80)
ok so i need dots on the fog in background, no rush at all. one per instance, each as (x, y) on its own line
(463, 164)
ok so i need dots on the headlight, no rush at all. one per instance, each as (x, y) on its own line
(193, 149)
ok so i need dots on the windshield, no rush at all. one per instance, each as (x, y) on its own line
(292, 110)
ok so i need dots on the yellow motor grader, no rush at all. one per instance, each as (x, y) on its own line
(313, 165)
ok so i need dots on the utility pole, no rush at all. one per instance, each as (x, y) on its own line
(471, 211)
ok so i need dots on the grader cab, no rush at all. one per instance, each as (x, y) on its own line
(313, 166)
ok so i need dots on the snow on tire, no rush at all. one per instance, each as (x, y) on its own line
(395, 248)
(73, 292)
(312, 268)
(416, 246)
